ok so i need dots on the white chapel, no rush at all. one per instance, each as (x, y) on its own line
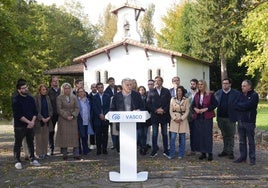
(128, 57)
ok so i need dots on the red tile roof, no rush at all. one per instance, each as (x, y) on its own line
(72, 70)
(147, 47)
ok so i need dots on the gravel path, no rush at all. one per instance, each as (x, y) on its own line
(93, 170)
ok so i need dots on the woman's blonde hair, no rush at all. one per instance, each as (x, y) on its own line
(40, 87)
(64, 85)
(204, 84)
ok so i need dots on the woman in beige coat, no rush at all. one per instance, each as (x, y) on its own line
(67, 133)
(179, 110)
(43, 123)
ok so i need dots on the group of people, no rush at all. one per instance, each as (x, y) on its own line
(79, 114)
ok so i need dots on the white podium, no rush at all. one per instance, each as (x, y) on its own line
(128, 145)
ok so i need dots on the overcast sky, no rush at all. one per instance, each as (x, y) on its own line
(94, 8)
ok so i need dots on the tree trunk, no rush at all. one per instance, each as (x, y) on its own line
(223, 67)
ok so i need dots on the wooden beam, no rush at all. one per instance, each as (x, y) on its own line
(126, 47)
(146, 53)
(108, 54)
(84, 63)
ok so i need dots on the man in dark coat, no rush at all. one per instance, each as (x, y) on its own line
(247, 113)
(100, 107)
(53, 93)
(158, 104)
(126, 100)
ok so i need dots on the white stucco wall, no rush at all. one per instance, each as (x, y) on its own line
(188, 70)
(135, 65)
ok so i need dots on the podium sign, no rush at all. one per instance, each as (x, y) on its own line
(128, 145)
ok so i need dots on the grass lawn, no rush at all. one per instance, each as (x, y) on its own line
(262, 116)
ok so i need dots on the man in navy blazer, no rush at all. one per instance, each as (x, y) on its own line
(158, 104)
(100, 107)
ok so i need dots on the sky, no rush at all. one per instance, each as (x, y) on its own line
(95, 8)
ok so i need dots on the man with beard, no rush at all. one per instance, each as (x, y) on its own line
(190, 95)
(24, 113)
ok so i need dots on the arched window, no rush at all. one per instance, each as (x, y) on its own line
(105, 79)
(98, 76)
(158, 72)
(150, 74)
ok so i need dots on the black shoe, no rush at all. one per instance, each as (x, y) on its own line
(251, 163)
(210, 157)
(202, 156)
(98, 152)
(240, 160)
(231, 156)
(105, 151)
(154, 154)
(77, 158)
(148, 146)
(166, 154)
(223, 154)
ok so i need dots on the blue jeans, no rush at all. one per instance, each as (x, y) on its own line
(247, 131)
(164, 136)
(182, 139)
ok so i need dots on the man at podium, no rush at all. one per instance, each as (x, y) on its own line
(127, 109)
(127, 99)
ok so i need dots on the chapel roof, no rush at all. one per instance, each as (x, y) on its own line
(146, 47)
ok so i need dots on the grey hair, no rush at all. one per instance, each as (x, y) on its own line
(125, 80)
(249, 82)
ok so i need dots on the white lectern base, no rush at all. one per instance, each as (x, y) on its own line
(115, 176)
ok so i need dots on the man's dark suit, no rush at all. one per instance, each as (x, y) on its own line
(156, 101)
(101, 126)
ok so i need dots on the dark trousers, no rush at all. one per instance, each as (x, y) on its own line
(246, 131)
(142, 130)
(20, 133)
(164, 136)
(228, 131)
(112, 136)
(83, 140)
(102, 135)
(92, 138)
(192, 136)
(52, 133)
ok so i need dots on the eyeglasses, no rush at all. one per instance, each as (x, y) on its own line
(225, 83)
(25, 87)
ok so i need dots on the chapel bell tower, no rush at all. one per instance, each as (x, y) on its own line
(127, 22)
